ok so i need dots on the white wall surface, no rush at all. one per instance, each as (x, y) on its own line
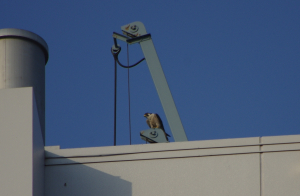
(21, 144)
(233, 167)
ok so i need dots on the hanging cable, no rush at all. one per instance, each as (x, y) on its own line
(115, 106)
(129, 115)
(115, 52)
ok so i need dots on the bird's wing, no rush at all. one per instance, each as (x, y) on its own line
(158, 119)
(148, 123)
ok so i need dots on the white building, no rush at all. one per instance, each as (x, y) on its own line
(258, 166)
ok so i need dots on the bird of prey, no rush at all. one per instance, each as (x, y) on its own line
(154, 121)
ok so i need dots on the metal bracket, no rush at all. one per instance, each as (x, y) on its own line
(120, 37)
(139, 39)
(153, 136)
(130, 40)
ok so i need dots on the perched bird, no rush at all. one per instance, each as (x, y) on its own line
(154, 121)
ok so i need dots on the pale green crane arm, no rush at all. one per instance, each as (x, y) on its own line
(137, 31)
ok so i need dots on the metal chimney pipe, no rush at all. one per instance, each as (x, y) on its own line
(23, 56)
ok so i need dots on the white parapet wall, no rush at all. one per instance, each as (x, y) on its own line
(21, 144)
(258, 166)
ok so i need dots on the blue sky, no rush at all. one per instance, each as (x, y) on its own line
(232, 67)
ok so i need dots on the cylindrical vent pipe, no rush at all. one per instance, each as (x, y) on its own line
(23, 56)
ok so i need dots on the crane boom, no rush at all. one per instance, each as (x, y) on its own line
(137, 33)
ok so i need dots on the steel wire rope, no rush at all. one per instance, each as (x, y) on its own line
(129, 113)
(115, 105)
(115, 53)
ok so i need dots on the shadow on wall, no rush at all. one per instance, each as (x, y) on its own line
(84, 180)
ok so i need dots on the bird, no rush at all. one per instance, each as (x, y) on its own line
(154, 121)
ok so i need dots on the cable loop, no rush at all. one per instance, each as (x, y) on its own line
(116, 52)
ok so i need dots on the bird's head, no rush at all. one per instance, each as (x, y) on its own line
(146, 114)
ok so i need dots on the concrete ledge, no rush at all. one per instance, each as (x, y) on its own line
(153, 155)
(145, 148)
(56, 156)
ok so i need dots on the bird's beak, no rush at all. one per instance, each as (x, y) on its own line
(144, 115)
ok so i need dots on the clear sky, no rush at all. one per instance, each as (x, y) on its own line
(232, 67)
